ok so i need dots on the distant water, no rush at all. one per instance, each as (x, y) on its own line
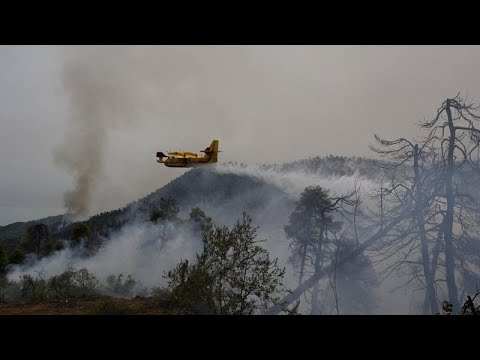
(11, 214)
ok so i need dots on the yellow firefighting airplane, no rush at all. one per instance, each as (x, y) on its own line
(189, 159)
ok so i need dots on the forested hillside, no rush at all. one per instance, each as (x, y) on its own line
(325, 235)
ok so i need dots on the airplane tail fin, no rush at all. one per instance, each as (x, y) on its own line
(212, 151)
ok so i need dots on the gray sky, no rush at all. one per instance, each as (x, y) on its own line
(264, 104)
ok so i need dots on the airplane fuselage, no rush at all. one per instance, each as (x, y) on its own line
(185, 162)
(190, 159)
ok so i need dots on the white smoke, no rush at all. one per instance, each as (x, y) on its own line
(134, 250)
(294, 182)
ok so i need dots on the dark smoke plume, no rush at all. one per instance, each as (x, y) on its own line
(98, 103)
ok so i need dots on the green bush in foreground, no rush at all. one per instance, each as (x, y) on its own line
(233, 275)
(468, 308)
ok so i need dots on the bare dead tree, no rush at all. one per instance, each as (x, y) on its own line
(409, 157)
(453, 134)
(429, 213)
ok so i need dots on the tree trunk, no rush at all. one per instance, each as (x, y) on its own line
(381, 207)
(315, 302)
(302, 264)
(436, 250)
(448, 223)
(430, 297)
(433, 266)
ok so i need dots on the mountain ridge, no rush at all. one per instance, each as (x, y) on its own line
(190, 188)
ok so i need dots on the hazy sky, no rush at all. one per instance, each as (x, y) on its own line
(110, 109)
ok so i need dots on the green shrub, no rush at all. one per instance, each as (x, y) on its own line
(73, 283)
(233, 275)
(120, 285)
(33, 289)
(469, 307)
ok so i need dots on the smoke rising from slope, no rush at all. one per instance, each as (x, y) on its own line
(134, 250)
(95, 96)
(294, 182)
